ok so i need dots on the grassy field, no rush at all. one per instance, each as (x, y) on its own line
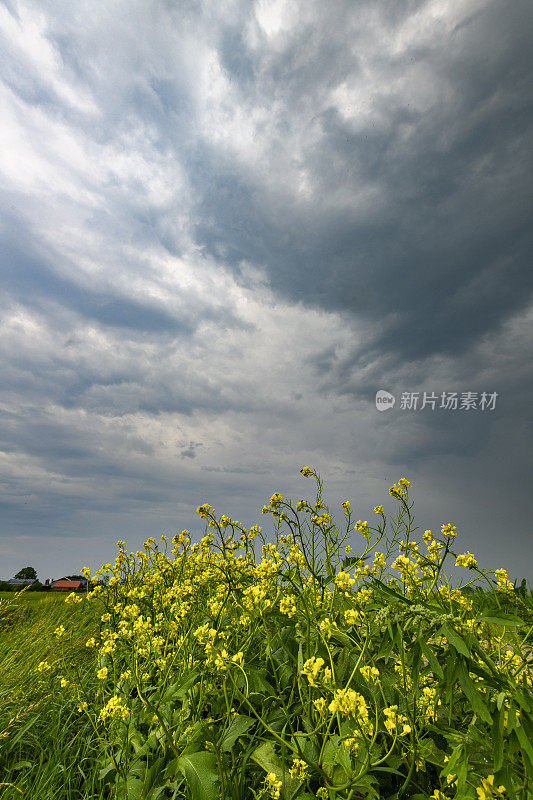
(47, 749)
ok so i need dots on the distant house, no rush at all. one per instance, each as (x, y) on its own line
(21, 581)
(68, 585)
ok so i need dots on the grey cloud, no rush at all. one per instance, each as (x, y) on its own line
(407, 214)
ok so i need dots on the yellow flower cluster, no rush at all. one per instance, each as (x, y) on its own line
(273, 786)
(351, 616)
(326, 627)
(114, 709)
(311, 668)
(298, 769)
(287, 605)
(370, 673)
(394, 721)
(343, 580)
(503, 583)
(448, 531)
(349, 703)
(487, 790)
(467, 560)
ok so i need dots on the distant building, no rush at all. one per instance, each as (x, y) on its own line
(67, 585)
(21, 581)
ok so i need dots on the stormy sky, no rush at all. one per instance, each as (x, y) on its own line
(224, 226)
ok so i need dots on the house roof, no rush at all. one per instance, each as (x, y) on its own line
(65, 583)
(21, 581)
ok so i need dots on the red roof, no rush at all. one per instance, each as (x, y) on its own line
(63, 583)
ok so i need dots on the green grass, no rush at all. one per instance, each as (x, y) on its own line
(47, 749)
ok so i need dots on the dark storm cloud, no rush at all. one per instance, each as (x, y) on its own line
(227, 225)
(448, 251)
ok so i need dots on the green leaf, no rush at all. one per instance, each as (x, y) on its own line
(501, 619)
(430, 752)
(500, 699)
(199, 770)
(107, 772)
(177, 690)
(474, 697)
(432, 660)
(257, 681)
(450, 766)
(455, 639)
(391, 592)
(497, 738)
(265, 756)
(237, 728)
(350, 561)
(341, 637)
(134, 789)
(525, 744)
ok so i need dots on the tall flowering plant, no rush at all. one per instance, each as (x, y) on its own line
(333, 659)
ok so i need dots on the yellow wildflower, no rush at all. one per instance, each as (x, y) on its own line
(487, 790)
(467, 560)
(272, 785)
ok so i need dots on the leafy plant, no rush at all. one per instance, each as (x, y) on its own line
(312, 665)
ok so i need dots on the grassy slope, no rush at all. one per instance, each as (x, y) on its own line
(46, 747)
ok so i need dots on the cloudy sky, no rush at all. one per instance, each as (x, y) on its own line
(224, 226)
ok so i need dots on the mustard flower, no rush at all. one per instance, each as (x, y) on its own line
(351, 616)
(114, 709)
(275, 501)
(448, 530)
(326, 627)
(273, 786)
(487, 790)
(467, 560)
(306, 472)
(370, 673)
(102, 673)
(349, 702)
(311, 668)
(320, 704)
(298, 769)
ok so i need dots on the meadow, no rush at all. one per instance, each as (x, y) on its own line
(327, 657)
